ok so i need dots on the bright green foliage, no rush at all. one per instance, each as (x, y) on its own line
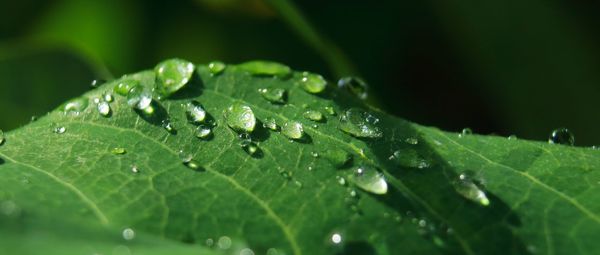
(363, 182)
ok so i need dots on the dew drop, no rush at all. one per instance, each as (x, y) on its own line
(60, 130)
(292, 130)
(124, 86)
(265, 68)
(224, 242)
(329, 110)
(240, 118)
(167, 125)
(172, 75)
(409, 158)
(2, 137)
(274, 95)
(103, 109)
(512, 137)
(370, 180)
(354, 85)
(118, 151)
(96, 83)
(184, 156)
(465, 132)
(128, 234)
(75, 106)
(341, 180)
(313, 115)
(270, 124)
(192, 164)
(194, 112)
(209, 242)
(139, 97)
(216, 67)
(359, 123)
(336, 238)
(562, 136)
(412, 140)
(203, 132)
(465, 186)
(107, 96)
(135, 169)
(248, 145)
(313, 83)
(314, 154)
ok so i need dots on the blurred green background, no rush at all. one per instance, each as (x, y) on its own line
(499, 66)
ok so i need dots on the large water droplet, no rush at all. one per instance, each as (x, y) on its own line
(562, 136)
(240, 118)
(359, 123)
(194, 112)
(313, 83)
(216, 67)
(128, 234)
(270, 124)
(268, 68)
(465, 186)
(274, 95)
(292, 130)
(139, 97)
(75, 106)
(203, 132)
(172, 75)
(124, 86)
(313, 115)
(103, 109)
(355, 85)
(369, 179)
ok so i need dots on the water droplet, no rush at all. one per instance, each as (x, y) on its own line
(313, 115)
(270, 124)
(107, 96)
(124, 86)
(96, 83)
(210, 242)
(60, 130)
(465, 132)
(329, 110)
(103, 109)
(118, 151)
(512, 137)
(336, 238)
(216, 67)
(354, 85)
(192, 164)
(292, 130)
(2, 137)
(128, 234)
(240, 118)
(135, 169)
(75, 106)
(562, 136)
(359, 123)
(465, 186)
(203, 132)
(313, 83)
(285, 174)
(314, 154)
(139, 97)
(370, 180)
(341, 180)
(274, 95)
(224, 242)
(194, 112)
(412, 140)
(266, 68)
(172, 75)
(246, 251)
(167, 125)
(337, 157)
(248, 145)
(184, 156)
(409, 158)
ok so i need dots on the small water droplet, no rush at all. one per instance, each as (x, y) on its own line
(2, 137)
(172, 75)
(167, 125)
(216, 67)
(370, 180)
(135, 169)
(139, 97)
(512, 137)
(298, 183)
(359, 123)
(273, 95)
(75, 106)
(270, 124)
(562, 136)
(224, 242)
(314, 154)
(96, 83)
(465, 132)
(292, 130)
(203, 132)
(265, 68)
(195, 112)
(209, 242)
(336, 238)
(248, 145)
(60, 130)
(184, 156)
(118, 151)
(103, 109)
(313, 115)
(412, 140)
(107, 96)
(313, 83)
(240, 118)
(329, 110)
(124, 86)
(354, 85)
(341, 180)
(409, 158)
(465, 186)
(128, 234)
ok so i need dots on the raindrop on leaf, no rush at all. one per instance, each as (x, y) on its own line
(354, 85)
(562, 136)
(359, 123)
(240, 118)
(172, 75)
(370, 180)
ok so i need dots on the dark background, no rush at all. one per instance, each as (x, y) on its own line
(498, 66)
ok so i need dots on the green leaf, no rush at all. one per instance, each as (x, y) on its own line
(408, 189)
